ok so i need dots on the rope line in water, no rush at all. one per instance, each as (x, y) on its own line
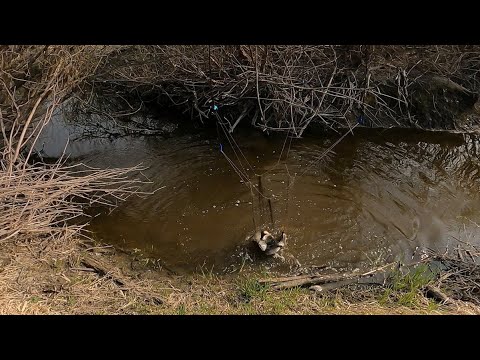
(324, 153)
(244, 172)
(239, 173)
(251, 187)
(244, 176)
(280, 156)
(231, 140)
(235, 168)
(229, 136)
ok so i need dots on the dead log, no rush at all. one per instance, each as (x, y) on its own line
(286, 278)
(449, 84)
(437, 294)
(313, 280)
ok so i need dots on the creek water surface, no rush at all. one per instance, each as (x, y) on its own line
(379, 195)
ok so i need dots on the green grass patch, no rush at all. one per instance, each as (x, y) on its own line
(250, 289)
(405, 289)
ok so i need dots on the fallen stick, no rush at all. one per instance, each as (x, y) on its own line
(242, 115)
(103, 270)
(382, 267)
(313, 280)
(83, 269)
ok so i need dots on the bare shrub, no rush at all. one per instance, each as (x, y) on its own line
(37, 198)
(286, 87)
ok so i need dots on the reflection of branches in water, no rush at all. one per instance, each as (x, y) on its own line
(103, 118)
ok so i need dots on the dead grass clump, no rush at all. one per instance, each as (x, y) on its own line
(42, 199)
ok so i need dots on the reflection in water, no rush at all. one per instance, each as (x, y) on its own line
(380, 195)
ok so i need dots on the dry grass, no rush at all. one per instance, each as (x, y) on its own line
(41, 199)
(46, 277)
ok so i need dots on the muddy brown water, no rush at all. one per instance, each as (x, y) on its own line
(381, 195)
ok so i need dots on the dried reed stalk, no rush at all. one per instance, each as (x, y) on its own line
(36, 198)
